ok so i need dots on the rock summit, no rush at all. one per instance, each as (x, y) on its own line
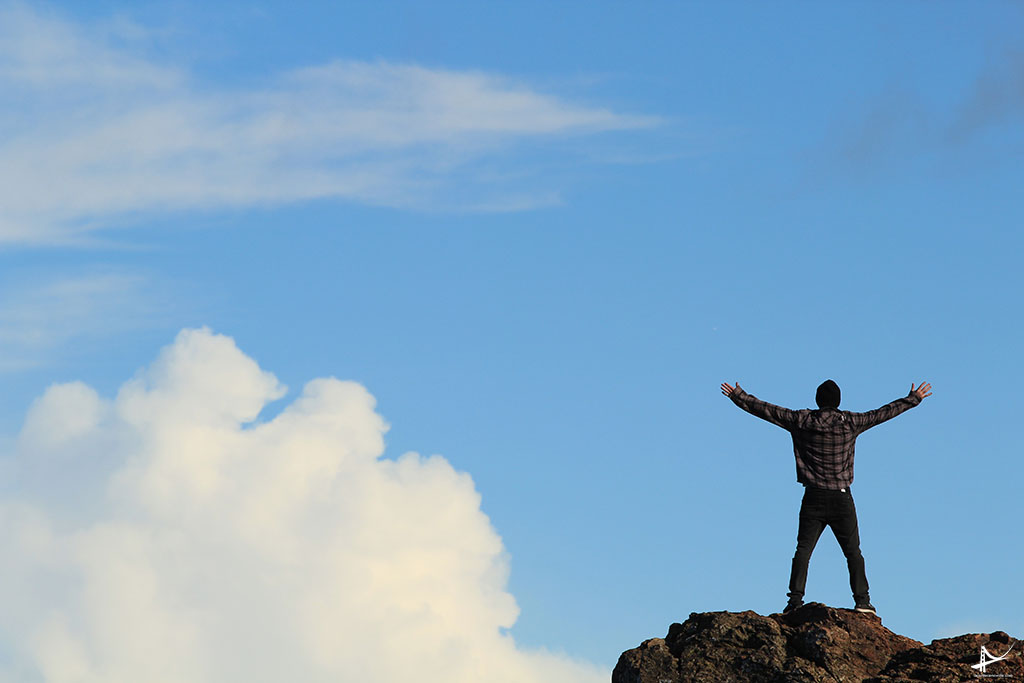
(810, 644)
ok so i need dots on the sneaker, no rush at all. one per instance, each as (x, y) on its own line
(866, 608)
(792, 605)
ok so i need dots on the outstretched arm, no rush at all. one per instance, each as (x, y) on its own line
(887, 412)
(777, 415)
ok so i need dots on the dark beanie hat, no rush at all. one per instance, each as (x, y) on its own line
(828, 395)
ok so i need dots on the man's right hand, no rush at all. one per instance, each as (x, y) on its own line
(923, 391)
(727, 389)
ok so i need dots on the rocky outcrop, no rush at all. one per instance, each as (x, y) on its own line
(811, 644)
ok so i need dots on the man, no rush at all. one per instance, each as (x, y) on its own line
(823, 442)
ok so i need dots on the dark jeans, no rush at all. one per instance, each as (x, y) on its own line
(821, 508)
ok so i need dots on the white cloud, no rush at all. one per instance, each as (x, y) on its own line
(200, 543)
(95, 131)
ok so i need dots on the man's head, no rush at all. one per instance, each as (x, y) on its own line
(828, 395)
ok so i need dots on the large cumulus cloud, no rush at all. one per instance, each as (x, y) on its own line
(170, 534)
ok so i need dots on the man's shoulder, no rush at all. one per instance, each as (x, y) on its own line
(804, 416)
(824, 419)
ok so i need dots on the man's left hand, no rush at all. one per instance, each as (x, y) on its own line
(923, 390)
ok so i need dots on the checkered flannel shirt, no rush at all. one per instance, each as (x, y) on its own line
(823, 439)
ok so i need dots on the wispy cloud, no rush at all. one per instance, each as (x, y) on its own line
(42, 318)
(996, 98)
(902, 123)
(94, 130)
(169, 535)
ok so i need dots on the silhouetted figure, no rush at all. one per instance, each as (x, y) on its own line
(823, 441)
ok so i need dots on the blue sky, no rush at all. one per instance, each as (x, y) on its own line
(540, 237)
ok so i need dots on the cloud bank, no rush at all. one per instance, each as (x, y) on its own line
(96, 132)
(169, 534)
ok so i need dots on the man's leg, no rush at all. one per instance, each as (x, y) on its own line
(812, 523)
(844, 526)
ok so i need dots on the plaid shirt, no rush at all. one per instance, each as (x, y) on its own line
(823, 439)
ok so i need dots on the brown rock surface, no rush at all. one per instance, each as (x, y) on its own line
(814, 643)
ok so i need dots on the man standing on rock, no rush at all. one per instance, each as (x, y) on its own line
(823, 442)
